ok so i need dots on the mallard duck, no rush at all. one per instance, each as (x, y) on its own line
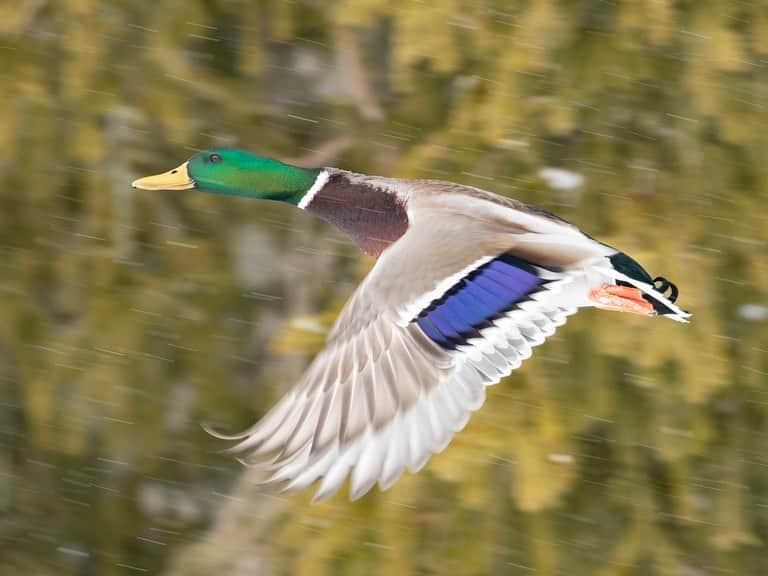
(465, 284)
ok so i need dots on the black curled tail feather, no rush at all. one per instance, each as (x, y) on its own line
(662, 285)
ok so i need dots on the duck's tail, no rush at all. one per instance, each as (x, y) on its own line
(659, 292)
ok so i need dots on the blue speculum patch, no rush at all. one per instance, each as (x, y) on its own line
(484, 294)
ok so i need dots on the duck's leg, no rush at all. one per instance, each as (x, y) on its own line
(621, 299)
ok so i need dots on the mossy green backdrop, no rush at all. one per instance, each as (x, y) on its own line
(625, 446)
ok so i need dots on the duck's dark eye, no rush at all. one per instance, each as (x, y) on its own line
(215, 158)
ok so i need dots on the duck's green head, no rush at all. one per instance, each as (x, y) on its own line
(236, 173)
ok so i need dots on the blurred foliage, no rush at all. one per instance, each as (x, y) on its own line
(623, 447)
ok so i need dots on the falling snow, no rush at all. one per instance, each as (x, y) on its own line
(625, 446)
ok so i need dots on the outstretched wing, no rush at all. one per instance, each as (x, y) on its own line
(408, 361)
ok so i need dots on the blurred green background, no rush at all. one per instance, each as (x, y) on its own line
(623, 447)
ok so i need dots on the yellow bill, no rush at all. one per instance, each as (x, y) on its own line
(176, 179)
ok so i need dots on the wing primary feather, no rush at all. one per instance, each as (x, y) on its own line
(397, 454)
(368, 467)
(304, 431)
(388, 376)
(338, 472)
(264, 437)
(359, 412)
(273, 419)
(328, 422)
(420, 437)
(408, 383)
(318, 467)
(386, 401)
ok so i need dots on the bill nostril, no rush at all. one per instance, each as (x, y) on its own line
(174, 171)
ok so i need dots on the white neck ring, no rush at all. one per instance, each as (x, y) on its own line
(320, 181)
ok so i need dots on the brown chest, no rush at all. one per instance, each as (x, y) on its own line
(371, 216)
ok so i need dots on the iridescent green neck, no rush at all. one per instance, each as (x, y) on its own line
(240, 173)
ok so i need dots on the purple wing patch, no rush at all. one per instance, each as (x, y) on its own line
(485, 293)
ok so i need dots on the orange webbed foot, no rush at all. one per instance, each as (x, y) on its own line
(621, 299)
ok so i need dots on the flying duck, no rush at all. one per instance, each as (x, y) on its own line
(465, 284)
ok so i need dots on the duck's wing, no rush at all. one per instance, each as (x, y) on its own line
(447, 310)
